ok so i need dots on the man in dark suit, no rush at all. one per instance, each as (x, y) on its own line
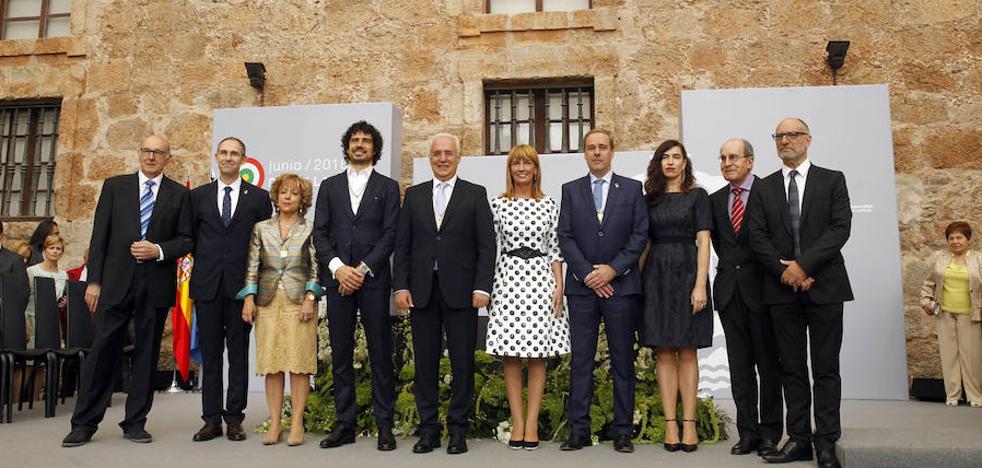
(142, 225)
(12, 266)
(443, 267)
(603, 227)
(800, 218)
(223, 214)
(736, 294)
(355, 226)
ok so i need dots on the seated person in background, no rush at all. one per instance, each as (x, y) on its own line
(80, 273)
(54, 248)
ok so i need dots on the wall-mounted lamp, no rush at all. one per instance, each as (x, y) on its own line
(257, 78)
(837, 56)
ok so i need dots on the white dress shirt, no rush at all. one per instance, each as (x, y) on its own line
(357, 183)
(154, 190)
(801, 179)
(234, 194)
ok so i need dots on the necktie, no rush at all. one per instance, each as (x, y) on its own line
(736, 212)
(227, 207)
(146, 208)
(441, 202)
(795, 210)
(598, 194)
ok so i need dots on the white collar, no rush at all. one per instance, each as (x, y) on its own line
(352, 172)
(143, 179)
(607, 177)
(235, 185)
(802, 169)
(451, 182)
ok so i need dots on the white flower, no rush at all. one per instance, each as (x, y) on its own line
(503, 432)
(447, 379)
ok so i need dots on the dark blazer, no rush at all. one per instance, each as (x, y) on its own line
(367, 236)
(737, 267)
(220, 252)
(117, 226)
(826, 219)
(617, 241)
(13, 263)
(464, 245)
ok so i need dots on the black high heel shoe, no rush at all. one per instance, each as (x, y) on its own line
(676, 446)
(689, 448)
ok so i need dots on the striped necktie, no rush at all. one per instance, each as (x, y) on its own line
(146, 208)
(736, 212)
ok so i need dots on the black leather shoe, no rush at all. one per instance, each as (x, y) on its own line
(766, 447)
(530, 446)
(76, 438)
(576, 442)
(138, 435)
(209, 431)
(792, 451)
(745, 446)
(689, 448)
(426, 443)
(235, 432)
(623, 444)
(386, 441)
(827, 458)
(339, 436)
(457, 444)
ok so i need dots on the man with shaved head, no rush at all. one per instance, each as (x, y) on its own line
(799, 220)
(736, 294)
(142, 225)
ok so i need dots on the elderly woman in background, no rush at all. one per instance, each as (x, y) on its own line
(280, 296)
(953, 294)
(53, 248)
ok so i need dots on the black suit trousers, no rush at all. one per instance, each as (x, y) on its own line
(428, 325)
(620, 316)
(372, 304)
(800, 327)
(110, 335)
(751, 350)
(220, 325)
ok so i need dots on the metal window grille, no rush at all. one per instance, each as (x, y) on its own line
(28, 145)
(551, 119)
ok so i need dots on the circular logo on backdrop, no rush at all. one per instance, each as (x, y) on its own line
(252, 171)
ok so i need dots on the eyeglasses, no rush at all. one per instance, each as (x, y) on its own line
(155, 153)
(790, 135)
(730, 158)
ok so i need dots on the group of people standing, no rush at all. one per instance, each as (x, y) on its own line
(637, 259)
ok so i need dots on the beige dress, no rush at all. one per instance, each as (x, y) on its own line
(280, 272)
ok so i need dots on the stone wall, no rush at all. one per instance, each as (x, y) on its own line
(132, 67)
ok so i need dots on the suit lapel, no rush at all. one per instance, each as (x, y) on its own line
(163, 196)
(345, 194)
(813, 179)
(613, 194)
(455, 200)
(781, 195)
(369, 192)
(428, 211)
(588, 196)
(131, 200)
(722, 208)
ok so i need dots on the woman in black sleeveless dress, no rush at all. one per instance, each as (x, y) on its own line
(676, 319)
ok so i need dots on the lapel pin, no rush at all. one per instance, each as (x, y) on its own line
(617, 185)
(245, 192)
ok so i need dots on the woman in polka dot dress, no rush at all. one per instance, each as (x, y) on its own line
(528, 319)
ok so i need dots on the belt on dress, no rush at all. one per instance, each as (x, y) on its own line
(524, 253)
(674, 240)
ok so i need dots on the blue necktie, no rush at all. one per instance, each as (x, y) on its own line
(227, 207)
(795, 212)
(598, 194)
(146, 208)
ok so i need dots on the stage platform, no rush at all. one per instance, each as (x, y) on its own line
(875, 434)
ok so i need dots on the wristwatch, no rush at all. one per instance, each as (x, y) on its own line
(310, 295)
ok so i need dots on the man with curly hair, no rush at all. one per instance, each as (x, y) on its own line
(355, 226)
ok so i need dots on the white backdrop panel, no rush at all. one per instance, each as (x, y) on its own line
(851, 132)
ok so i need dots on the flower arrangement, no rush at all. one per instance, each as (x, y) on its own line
(490, 415)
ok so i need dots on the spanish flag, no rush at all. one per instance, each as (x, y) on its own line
(181, 315)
